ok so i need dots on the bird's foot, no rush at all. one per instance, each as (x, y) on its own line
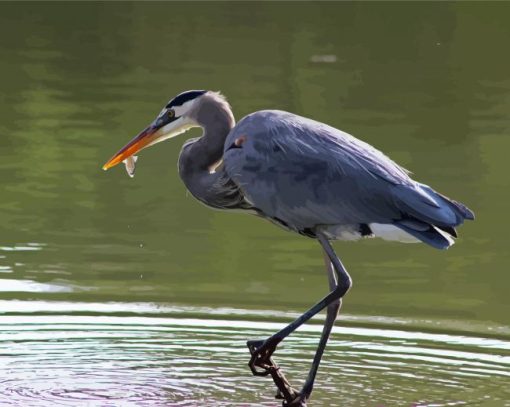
(261, 351)
(295, 399)
(262, 364)
(298, 401)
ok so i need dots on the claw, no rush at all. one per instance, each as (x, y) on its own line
(298, 401)
(261, 352)
(256, 361)
(262, 364)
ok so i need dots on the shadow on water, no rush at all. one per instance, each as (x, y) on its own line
(145, 354)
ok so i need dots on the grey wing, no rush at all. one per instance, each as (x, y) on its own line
(305, 173)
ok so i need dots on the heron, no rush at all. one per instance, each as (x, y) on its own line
(305, 177)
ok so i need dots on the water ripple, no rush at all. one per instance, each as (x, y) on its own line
(154, 360)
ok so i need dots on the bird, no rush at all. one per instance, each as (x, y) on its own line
(305, 177)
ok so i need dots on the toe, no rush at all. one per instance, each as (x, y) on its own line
(299, 401)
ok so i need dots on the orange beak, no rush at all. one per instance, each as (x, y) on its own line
(144, 139)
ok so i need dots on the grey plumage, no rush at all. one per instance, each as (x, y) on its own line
(306, 177)
(199, 156)
(310, 175)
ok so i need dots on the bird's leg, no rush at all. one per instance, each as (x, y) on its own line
(331, 314)
(262, 351)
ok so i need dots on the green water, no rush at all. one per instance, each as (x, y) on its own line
(127, 292)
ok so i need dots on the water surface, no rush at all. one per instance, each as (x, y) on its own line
(118, 291)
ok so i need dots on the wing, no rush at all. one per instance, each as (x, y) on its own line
(304, 173)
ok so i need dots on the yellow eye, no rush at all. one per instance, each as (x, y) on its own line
(171, 113)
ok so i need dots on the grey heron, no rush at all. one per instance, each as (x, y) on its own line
(306, 177)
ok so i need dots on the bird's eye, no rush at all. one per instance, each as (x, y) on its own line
(171, 113)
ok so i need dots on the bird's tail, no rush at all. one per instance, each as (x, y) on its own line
(430, 216)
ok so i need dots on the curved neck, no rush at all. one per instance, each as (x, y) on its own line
(208, 149)
(199, 155)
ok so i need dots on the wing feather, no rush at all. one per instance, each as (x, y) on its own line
(305, 173)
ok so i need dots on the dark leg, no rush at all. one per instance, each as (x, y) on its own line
(262, 351)
(331, 315)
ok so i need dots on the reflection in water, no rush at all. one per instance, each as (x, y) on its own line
(23, 248)
(29, 286)
(147, 359)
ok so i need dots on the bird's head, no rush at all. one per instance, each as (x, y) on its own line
(176, 117)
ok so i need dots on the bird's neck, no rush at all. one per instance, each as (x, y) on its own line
(199, 156)
(216, 124)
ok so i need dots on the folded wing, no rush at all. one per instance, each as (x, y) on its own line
(305, 173)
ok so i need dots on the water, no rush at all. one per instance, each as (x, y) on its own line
(63, 353)
(118, 291)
